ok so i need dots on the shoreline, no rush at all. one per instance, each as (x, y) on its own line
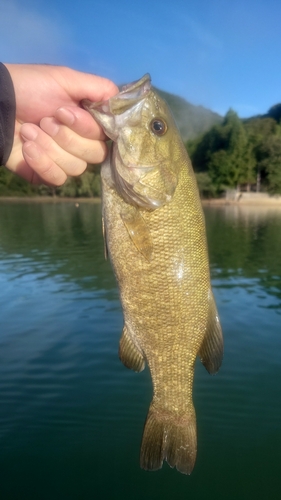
(270, 201)
(219, 202)
(47, 199)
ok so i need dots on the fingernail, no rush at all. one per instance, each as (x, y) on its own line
(50, 126)
(28, 132)
(30, 149)
(65, 115)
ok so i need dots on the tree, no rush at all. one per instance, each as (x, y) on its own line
(241, 152)
(231, 161)
(269, 159)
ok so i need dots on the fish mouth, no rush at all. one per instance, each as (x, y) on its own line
(135, 90)
(109, 113)
(130, 95)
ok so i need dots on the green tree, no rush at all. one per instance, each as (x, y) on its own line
(240, 164)
(269, 155)
(13, 185)
(264, 140)
(205, 185)
(225, 152)
(240, 152)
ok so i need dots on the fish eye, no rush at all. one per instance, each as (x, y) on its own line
(158, 126)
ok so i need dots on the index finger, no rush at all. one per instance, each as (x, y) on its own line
(80, 121)
(93, 87)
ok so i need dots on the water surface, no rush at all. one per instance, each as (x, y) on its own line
(71, 416)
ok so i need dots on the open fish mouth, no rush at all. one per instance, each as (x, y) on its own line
(112, 113)
(130, 95)
(136, 89)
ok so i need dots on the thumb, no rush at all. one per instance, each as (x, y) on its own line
(93, 87)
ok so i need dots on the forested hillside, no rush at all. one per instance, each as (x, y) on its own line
(191, 120)
(239, 153)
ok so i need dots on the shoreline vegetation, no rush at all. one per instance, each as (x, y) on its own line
(242, 156)
(49, 199)
(223, 201)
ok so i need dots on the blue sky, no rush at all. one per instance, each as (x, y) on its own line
(217, 53)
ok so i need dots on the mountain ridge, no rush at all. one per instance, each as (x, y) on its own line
(191, 120)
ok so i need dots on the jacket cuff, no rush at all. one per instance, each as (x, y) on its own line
(7, 114)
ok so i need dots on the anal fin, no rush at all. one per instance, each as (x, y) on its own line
(211, 350)
(129, 354)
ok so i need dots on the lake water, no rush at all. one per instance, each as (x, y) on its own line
(71, 416)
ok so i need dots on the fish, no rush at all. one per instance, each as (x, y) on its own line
(155, 237)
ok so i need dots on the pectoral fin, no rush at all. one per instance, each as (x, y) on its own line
(211, 350)
(138, 231)
(129, 354)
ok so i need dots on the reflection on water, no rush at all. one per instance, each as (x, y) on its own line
(245, 242)
(57, 240)
(71, 416)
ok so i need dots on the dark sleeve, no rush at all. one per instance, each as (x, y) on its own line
(7, 114)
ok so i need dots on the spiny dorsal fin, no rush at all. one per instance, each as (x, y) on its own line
(129, 354)
(211, 350)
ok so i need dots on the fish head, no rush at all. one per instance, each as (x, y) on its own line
(144, 164)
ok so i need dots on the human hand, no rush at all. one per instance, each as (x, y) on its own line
(54, 137)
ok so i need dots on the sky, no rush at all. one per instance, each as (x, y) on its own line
(220, 54)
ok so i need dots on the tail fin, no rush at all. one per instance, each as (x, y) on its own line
(171, 438)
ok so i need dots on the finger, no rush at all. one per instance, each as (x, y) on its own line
(26, 172)
(42, 165)
(80, 121)
(93, 87)
(16, 162)
(71, 165)
(19, 165)
(91, 151)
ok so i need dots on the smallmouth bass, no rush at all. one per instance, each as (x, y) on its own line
(155, 236)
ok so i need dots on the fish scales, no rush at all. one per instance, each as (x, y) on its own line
(160, 329)
(160, 259)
